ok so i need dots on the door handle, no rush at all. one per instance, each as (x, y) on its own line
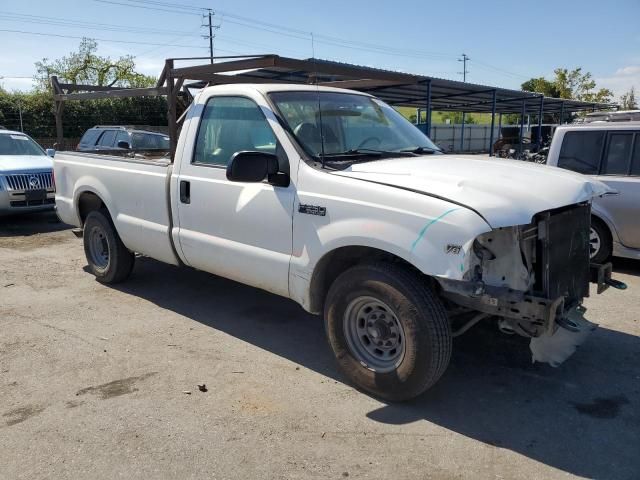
(185, 191)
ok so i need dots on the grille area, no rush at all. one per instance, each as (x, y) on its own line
(30, 181)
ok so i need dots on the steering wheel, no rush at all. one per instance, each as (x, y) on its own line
(368, 140)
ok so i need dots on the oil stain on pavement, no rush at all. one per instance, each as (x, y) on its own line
(19, 415)
(602, 407)
(116, 388)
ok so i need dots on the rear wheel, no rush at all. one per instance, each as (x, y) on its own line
(600, 244)
(388, 330)
(108, 258)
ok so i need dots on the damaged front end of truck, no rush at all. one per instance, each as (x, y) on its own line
(534, 279)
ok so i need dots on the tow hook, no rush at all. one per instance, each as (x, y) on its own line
(601, 275)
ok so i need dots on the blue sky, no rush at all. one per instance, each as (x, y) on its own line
(507, 41)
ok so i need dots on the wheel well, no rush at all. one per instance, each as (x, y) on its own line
(87, 203)
(339, 260)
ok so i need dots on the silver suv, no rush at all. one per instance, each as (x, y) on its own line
(26, 175)
(609, 152)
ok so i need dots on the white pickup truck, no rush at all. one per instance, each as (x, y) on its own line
(331, 198)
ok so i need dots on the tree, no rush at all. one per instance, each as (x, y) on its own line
(85, 67)
(570, 84)
(541, 85)
(628, 100)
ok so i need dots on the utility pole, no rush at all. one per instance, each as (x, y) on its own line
(464, 71)
(210, 14)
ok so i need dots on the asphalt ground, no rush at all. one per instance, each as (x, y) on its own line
(94, 382)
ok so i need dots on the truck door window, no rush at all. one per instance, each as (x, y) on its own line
(581, 151)
(618, 153)
(230, 125)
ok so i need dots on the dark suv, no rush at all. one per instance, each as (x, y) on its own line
(114, 139)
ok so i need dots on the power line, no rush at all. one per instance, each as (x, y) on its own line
(94, 38)
(286, 31)
(37, 19)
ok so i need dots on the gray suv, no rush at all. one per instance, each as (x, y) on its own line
(113, 139)
(609, 152)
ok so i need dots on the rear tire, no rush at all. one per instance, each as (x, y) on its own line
(388, 330)
(600, 242)
(108, 258)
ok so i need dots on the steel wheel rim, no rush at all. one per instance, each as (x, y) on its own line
(374, 334)
(595, 243)
(99, 248)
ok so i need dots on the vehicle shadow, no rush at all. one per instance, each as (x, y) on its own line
(582, 418)
(30, 224)
(628, 266)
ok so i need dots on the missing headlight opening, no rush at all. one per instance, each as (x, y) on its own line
(533, 278)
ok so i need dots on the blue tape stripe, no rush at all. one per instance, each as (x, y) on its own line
(426, 227)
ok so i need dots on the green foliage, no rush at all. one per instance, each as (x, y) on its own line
(569, 84)
(85, 67)
(541, 85)
(39, 121)
(628, 100)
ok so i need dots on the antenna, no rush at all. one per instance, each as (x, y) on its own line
(464, 71)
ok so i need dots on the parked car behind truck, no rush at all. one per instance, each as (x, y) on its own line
(331, 198)
(609, 153)
(26, 175)
(112, 139)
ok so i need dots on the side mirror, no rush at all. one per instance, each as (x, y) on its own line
(51, 152)
(124, 144)
(251, 167)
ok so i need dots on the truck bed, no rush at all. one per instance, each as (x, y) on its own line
(135, 191)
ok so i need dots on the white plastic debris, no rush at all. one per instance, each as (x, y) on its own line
(555, 348)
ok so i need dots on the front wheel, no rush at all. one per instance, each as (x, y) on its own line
(109, 260)
(388, 330)
(600, 247)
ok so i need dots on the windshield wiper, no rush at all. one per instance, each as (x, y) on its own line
(370, 152)
(422, 150)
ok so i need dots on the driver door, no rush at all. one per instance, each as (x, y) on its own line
(241, 231)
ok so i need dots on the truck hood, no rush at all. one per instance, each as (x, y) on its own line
(504, 192)
(24, 163)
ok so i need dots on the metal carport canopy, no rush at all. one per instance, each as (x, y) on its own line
(395, 88)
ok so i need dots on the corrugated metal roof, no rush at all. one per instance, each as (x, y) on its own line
(396, 88)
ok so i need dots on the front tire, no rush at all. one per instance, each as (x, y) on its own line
(388, 330)
(108, 258)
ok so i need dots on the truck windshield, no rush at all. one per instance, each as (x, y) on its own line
(17, 144)
(345, 127)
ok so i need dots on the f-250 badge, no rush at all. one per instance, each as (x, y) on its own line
(312, 210)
